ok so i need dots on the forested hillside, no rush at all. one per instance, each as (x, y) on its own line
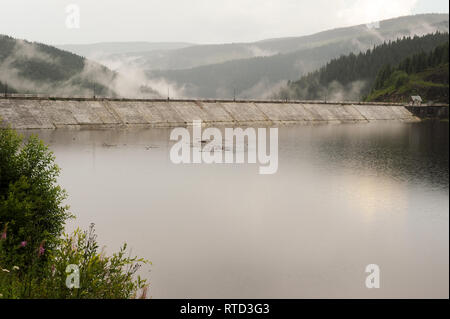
(352, 77)
(422, 74)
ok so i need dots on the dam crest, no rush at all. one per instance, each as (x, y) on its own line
(22, 112)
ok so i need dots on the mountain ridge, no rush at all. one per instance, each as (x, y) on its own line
(185, 58)
(262, 76)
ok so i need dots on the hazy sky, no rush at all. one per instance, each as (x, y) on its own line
(197, 21)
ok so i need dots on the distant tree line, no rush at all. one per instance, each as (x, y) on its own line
(415, 64)
(424, 74)
(5, 88)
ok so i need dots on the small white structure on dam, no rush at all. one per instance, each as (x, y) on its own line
(50, 113)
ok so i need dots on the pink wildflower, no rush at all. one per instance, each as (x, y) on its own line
(41, 249)
(4, 232)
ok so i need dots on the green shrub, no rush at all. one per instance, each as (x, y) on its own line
(32, 214)
(400, 78)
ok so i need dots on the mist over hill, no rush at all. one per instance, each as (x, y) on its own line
(36, 68)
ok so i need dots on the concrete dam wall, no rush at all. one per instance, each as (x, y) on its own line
(51, 113)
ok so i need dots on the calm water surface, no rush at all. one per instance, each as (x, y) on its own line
(344, 196)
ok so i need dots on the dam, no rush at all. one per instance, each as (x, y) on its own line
(22, 112)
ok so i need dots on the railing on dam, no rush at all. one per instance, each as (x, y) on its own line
(206, 100)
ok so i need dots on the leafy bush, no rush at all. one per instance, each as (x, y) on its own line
(34, 254)
(400, 78)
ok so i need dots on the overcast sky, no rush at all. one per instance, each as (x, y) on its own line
(196, 21)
